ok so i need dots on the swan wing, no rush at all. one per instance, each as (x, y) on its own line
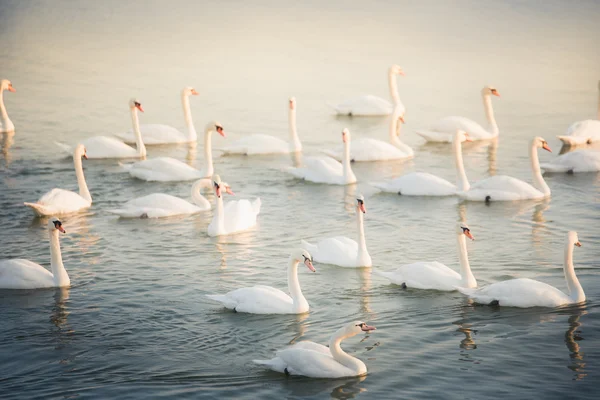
(364, 106)
(256, 300)
(156, 205)
(418, 184)
(575, 161)
(153, 134)
(501, 188)
(24, 274)
(164, 169)
(59, 201)
(108, 147)
(444, 129)
(241, 214)
(338, 250)
(582, 132)
(313, 364)
(319, 170)
(258, 144)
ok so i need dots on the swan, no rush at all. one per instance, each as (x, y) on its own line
(524, 292)
(326, 169)
(268, 300)
(6, 124)
(583, 132)
(265, 144)
(426, 184)
(99, 147)
(435, 275)
(575, 161)
(372, 105)
(341, 250)
(235, 216)
(24, 274)
(506, 188)
(167, 169)
(443, 130)
(60, 201)
(368, 149)
(159, 205)
(164, 134)
(313, 360)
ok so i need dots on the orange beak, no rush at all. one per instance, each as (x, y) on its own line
(291, 105)
(362, 208)
(546, 147)
(194, 92)
(401, 119)
(367, 328)
(309, 265)
(140, 108)
(11, 89)
(468, 138)
(469, 235)
(577, 244)
(85, 156)
(229, 191)
(60, 228)
(221, 131)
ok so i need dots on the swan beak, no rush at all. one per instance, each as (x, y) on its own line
(60, 228)
(367, 328)
(11, 89)
(495, 93)
(578, 244)
(139, 107)
(291, 105)
(546, 147)
(309, 265)
(229, 191)
(362, 208)
(85, 156)
(221, 131)
(469, 235)
(402, 119)
(468, 138)
(194, 92)
(344, 138)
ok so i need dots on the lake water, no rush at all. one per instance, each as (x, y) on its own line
(136, 323)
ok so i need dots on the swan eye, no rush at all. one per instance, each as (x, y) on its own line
(466, 229)
(137, 104)
(360, 202)
(361, 324)
(57, 224)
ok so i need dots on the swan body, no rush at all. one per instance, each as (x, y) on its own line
(326, 169)
(6, 124)
(266, 144)
(524, 292)
(168, 169)
(369, 149)
(102, 147)
(233, 217)
(268, 300)
(435, 275)
(155, 134)
(369, 105)
(341, 250)
(60, 201)
(575, 161)
(583, 132)
(443, 130)
(25, 274)
(317, 361)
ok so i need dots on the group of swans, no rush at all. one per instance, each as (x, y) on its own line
(6, 124)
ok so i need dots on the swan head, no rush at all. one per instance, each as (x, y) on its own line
(303, 256)
(396, 70)
(490, 90)
(346, 135)
(462, 136)
(356, 327)
(219, 186)
(292, 103)
(360, 203)
(54, 224)
(80, 151)
(189, 91)
(573, 238)
(463, 229)
(214, 126)
(541, 143)
(5, 84)
(134, 103)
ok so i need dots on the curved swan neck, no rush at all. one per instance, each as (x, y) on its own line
(462, 183)
(575, 289)
(139, 143)
(294, 285)
(83, 188)
(489, 112)
(395, 131)
(197, 198)
(3, 112)
(341, 356)
(392, 81)
(362, 243)
(187, 115)
(295, 141)
(347, 169)
(466, 276)
(538, 180)
(208, 161)
(61, 278)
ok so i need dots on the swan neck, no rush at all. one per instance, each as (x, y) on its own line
(83, 188)
(362, 243)
(462, 183)
(347, 169)
(294, 140)
(208, 161)
(61, 278)
(395, 131)
(489, 112)
(139, 143)
(3, 112)
(294, 285)
(392, 81)
(341, 356)
(466, 276)
(197, 198)
(575, 289)
(220, 216)
(187, 115)
(538, 179)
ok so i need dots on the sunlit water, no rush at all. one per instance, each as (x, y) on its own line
(136, 323)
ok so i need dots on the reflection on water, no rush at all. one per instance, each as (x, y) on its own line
(299, 326)
(191, 153)
(572, 337)
(491, 156)
(296, 158)
(364, 277)
(349, 200)
(349, 388)
(7, 141)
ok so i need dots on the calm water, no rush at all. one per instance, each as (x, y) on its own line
(136, 324)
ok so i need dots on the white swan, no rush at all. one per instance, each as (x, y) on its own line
(60, 201)
(524, 292)
(341, 250)
(326, 169)
(153, 134)
(443, 130)
(583, 132)
(100, 147)
(266, 144)
(24, 274)
(435, 275)
(235, 216)
(268, 300)
(167, 169)
(159, 205)
(368, 149)
(313, 360)
(372, 105)
(574, 161)
(426, 184)
(6, 124)
(506, 188)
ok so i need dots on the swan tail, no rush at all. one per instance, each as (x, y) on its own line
(432, 136)
(39, 209)
(256, 205)
(394, 277)
(555, 168)
(466, 291)
(573, 140)
(226, 301)
(334, 107)
(276, 364)
(311, 248)
(331, 154)
(126, 166)
(64, 147)
(133, 213)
